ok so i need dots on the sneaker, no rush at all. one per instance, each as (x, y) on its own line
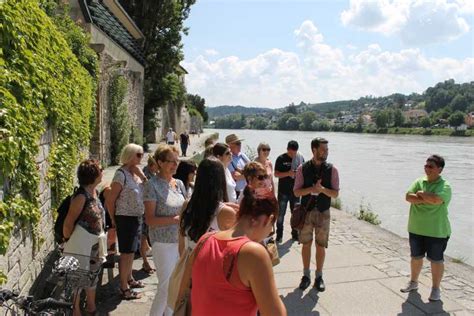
(435, 294)
(305, 282)
(294, 235)
(411, 286)
(319, 284)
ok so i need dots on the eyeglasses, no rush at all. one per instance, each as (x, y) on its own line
(172, 161)
(139, 155)
(265, 149)
(430, 166)
(262, 177)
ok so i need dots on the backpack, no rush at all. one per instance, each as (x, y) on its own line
(63, 209)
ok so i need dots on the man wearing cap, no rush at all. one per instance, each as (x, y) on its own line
(428, 224)
(317, 181)
(285, 169)
(239, 160)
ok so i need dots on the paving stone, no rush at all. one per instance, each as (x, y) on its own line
(363, 298)
(420, 298)
(298, 302)
(346, 256)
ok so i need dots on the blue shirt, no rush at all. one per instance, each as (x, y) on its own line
(238, 162)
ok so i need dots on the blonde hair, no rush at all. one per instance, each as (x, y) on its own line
(262, 145)
(162, 152)
(128, 152)
(151, 161)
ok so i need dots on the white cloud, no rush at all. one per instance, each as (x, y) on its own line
(416, 22)
(211, 52)
(319, 73)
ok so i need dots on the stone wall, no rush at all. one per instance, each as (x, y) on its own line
(180, 121)
(109, 67)
(24, 259)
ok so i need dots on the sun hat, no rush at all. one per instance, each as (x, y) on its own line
(232, 138)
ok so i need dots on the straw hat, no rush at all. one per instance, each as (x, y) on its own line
(232, 138)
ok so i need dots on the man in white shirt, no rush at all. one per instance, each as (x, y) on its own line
(171, 137)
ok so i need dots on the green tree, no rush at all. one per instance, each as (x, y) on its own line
(162, 23)
(307, 119)
(293, 123)
(456, 119)
(425, 122)
(281, 123)
(199, 103)
(459, 103)
(398, 118)
(291, 109)
(259, 123)
(381, 119)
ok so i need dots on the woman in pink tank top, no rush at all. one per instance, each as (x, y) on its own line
(232, 273)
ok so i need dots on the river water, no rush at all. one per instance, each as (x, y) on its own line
(378, 169)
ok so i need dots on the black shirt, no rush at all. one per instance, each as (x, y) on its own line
(184, 138)
(283, 164)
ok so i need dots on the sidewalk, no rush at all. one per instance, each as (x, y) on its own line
(364, 270)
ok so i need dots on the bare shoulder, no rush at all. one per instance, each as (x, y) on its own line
(253, 252)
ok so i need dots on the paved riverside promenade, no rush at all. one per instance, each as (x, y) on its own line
(364, 270)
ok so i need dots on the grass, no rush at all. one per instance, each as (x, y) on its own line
(367, 214)
(336, 203)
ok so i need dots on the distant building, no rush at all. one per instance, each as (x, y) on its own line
(470, 119)
(414, 116)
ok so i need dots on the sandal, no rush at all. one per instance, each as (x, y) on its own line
(148, 269)
(132, 295)
(135, 284)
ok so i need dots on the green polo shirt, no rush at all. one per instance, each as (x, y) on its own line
(427, 219)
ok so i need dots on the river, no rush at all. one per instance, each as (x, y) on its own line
(378, 169)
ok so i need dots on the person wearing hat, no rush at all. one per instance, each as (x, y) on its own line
(171, 137)
(285, 170)
(238, 162)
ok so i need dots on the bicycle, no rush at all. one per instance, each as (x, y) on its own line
(30, 306)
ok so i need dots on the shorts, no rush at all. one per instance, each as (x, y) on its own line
(433, 247)
(128, 229)
(317, 222)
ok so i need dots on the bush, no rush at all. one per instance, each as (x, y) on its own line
(120, 129)
(336, 203)
(366, 214)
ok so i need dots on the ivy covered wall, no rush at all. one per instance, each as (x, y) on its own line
(44, 89)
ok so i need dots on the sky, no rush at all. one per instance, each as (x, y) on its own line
(272, 53)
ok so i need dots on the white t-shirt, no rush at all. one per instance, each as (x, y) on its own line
(231, 195)
(170, 137)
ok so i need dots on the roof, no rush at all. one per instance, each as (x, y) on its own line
(98, 13)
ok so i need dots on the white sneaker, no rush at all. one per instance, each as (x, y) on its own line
(411, 286)
(435, 294)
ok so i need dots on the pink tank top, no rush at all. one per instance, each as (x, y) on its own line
(213, 268)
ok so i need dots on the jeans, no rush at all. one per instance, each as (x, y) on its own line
(184, 147)
(283, 200)
(165, 257)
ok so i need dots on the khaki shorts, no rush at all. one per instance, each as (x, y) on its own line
(319, 223)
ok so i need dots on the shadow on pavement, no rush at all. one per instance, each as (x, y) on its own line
(284, 248)
(297, 303)
(414, 300)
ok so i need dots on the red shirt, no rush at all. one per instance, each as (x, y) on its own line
(216, 285)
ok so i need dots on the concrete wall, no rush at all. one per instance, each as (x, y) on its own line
(24, 259)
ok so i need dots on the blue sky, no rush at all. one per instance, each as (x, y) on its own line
(272, 53)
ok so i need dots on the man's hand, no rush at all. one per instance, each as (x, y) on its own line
(317, 187)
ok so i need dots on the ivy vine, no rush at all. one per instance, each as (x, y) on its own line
(119, 118)
(43, 86)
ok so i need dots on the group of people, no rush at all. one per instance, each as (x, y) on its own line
(219, 214)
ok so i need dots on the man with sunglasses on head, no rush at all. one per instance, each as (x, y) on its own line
(428, 224)
(285, 170)
(238, 162)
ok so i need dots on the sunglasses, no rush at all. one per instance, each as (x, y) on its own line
(265, 149)
(238, 143)
(227, 153)
(139, 155)
(262, 177)
(430, 166)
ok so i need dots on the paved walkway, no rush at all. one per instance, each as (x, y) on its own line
(364, 270)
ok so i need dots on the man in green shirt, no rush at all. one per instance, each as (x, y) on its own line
(428, 224)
